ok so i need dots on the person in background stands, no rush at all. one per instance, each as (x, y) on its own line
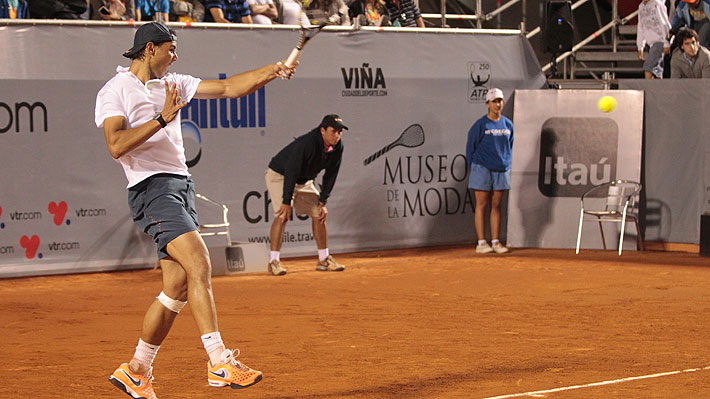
(112, 10)
(263, 11)
(653, 28)
(57, 9)
(14, 9)
(693, 14)
(152, 10)
(228, 11)
(690, 60)
(369, 12)
(404, 13)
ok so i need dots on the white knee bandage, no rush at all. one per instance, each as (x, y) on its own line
(172, 304)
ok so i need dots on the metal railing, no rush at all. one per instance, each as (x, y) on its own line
(593, 36)
(481, 16)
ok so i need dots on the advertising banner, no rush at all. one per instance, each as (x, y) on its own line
(565, 145)
(408, 99)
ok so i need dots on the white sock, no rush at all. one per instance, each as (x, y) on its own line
(145, 353)
(494, 241)
(213, 346)
(481, 242)
(275, 255)
(322, 254)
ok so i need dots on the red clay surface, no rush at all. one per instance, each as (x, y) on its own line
(418, 323)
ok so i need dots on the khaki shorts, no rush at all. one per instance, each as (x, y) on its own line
(305, 196)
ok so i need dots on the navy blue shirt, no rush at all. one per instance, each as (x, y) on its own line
(405, 15)
(233, 10)
(303, 159)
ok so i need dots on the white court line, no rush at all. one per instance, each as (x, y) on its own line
(596, 384)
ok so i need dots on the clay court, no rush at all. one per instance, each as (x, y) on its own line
(416, 323)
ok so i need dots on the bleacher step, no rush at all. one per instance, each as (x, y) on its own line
(606, 56)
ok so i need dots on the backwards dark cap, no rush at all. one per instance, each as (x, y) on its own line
(334, 121)
(151, 32)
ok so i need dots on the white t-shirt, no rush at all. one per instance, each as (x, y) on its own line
(125, 95)
(292, 14)
(259, 18)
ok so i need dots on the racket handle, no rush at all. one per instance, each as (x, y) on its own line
(295, 53)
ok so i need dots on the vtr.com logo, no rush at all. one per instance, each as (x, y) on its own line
(14, 117)
(576, 154)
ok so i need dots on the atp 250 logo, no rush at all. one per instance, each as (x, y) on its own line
(576, 154)
(479, 81)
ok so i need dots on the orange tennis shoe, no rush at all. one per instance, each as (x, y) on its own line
(136, 385)
(231, 372)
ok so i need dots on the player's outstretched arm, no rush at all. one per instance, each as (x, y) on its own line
(243, 83)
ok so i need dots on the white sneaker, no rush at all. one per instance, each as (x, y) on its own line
(276, 268)
(500, 248)
(483, 248)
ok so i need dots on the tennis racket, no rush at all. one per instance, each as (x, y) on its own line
(307, 33)
(411, 137)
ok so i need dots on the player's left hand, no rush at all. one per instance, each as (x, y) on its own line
(283, 71)
(323, 213)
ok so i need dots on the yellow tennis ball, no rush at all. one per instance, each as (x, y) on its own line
(606, 104)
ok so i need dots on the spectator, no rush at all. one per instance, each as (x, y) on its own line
(187, 11)
(489, 147)
(333, 12)
(290, 13)
(152, 10)
(693, 14)
(112, 10)
(653, 28)
(290, 182)
(228, 11)
(13, 9)
(404, 13)
(369, 12)
(690, 60)
(57, 9)
(263, 11)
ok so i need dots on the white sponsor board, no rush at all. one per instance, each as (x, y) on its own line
(564, 145)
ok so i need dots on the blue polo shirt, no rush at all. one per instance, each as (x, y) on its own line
(149, 8)
(233, 10)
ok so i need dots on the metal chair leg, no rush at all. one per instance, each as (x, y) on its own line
(621, 236)
(579, 231)
(601, 230)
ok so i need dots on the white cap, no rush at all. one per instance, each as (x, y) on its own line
(493, 94)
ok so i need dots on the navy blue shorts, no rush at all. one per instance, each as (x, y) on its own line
(163, 206)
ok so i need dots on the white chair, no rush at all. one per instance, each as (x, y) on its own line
(216, 229)
(620, 200)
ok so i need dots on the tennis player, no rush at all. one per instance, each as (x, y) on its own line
(488, 150)
(289, 179)
(139, 110)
